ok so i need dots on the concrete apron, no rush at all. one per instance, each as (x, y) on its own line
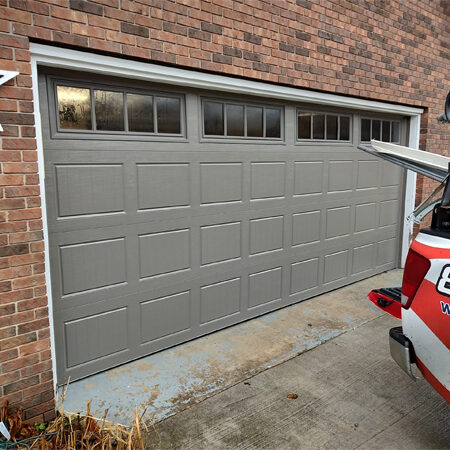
(172, 380)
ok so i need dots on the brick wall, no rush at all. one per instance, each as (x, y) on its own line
(387, 50)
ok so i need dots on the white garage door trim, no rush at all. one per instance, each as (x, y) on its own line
(114, 66)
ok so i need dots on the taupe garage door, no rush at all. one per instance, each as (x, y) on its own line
(173, 213)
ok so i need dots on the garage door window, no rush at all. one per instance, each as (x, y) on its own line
(117, 111)
(384, 130)
(315, 126)
(235, 120)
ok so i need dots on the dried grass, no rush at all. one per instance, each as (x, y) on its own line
(70, 431)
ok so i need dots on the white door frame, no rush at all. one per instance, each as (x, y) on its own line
(115, 66)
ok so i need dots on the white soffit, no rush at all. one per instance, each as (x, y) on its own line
(116, 66)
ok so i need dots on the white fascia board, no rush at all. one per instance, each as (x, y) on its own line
(116, 66)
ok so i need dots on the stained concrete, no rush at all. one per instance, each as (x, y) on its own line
(351, 394)
(172, 380)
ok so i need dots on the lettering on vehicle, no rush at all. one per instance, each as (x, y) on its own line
(445, 308)
(443, 282)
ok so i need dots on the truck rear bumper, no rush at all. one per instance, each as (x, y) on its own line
(401, 350)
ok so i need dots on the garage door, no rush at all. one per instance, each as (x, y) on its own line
(173, 213)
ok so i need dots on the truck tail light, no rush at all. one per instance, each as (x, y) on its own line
(416, 267)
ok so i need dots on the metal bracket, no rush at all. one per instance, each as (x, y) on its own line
(6, 75)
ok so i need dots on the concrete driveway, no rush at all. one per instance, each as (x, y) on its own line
(350, 395)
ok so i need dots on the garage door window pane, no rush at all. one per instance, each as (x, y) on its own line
(140, 113)
(395, 136)
(376, 129)
(318, 126)
(386, 135)
(273, 123)
(332, 127)
(74, 108)
(213, 118)
(365, 130)
(344, 128)
(109, 110)
(304, 126)
(235, 120)
(168, 111)
(254, 121)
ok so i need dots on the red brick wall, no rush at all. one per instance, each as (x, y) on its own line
(377, 49)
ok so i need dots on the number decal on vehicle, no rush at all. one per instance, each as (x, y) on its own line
(443, 282)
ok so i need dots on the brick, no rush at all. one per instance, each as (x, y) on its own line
(32, 326)
(66, 14)
(25, 282)
(248, 37)
(17, 341)
(211, 28)
(34, 347)
(20, 385)
(7, 332)
(11, 180)
(20, 168)
(24, 214)
(12, 203)
(20, 363)
(8, 355)
(87, 7)
(70, 39)
(137, 30)
(20, 144)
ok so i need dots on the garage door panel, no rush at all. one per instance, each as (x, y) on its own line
(163, 185)
(340, 176)
(266, 234)
(107, 330)
(268, 180)
(265, 287)
(335, 266)
(338, 222)
(167, 238)
(164, 252)
(92, 265)
(368, 175)
(308, 177)
(155, 315)
(220, 300)
(220, 242)
(306, 227)
(304, 275)
(89, 189)
(221, 182)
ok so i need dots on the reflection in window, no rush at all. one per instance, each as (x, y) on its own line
(332, 127)
(74, 108)
(344, 128)
(273, 123)
(108, 110)
(168, 110)
(140, 113)
(386, 130)
(318, 126)
(235, 120)
(304, 126)
(254, 121)
(213, 118)
(322, 126)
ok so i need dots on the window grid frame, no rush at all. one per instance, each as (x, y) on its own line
(311, 140)
(124, 91)
(245, 137)
(381, 120)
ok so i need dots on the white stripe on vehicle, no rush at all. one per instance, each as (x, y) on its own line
(427, 346)
(435, 270)
(433, 241)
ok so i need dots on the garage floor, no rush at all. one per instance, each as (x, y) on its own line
(350, 395)
(172, 380)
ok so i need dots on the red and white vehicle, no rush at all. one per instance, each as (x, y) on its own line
(423, 301)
